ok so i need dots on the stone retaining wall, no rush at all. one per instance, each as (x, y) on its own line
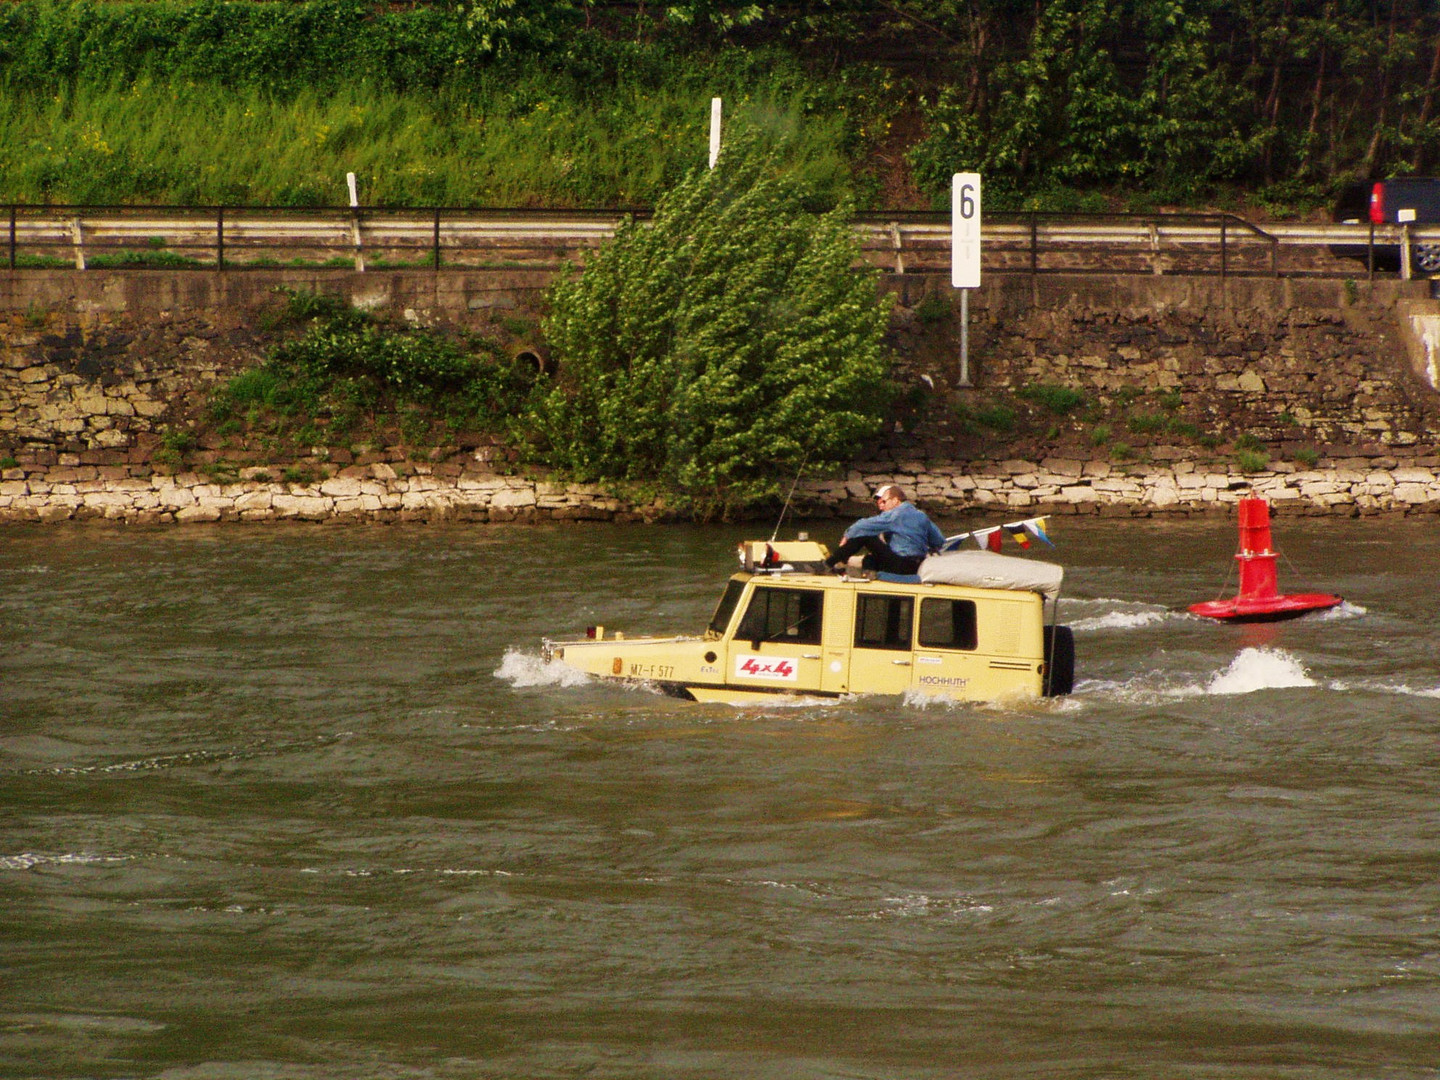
(95, 367)
(1175, 369)
(379, 493)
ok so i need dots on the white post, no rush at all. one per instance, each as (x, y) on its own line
(77, 237)
(1405, 217)
(714, 131)
(355, 222)
(965, 254)
(964, 337)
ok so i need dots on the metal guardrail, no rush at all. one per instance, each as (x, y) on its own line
(243, 237)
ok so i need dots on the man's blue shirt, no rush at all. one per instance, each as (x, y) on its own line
(907, 530)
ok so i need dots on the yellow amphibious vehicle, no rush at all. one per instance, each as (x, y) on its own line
(970, 626)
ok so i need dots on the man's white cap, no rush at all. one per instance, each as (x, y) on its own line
(881, 490)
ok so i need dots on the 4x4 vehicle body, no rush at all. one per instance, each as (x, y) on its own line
(787, 626)
(1401, 200)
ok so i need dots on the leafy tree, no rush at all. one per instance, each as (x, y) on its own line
(720, 347)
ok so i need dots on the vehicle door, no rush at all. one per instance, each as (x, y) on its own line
(776, 644)
(839, 639)
(880, 660)
(947, 661)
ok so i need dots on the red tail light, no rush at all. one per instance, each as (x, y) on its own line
(1377, 203)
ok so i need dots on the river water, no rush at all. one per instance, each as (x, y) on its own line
(304, 803)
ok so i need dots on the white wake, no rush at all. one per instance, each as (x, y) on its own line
(522, 669)
(1260, 669)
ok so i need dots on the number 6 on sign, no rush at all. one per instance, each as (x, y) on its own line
(965, 231)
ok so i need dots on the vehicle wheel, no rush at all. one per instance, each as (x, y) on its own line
(1427, 257)
(1059, 660)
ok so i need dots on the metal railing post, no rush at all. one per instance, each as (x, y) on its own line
(220, 238)
(12, 236)
(1224, 223)
(357, 240)
(1370, 255)
(437, 238)
(1034, 244)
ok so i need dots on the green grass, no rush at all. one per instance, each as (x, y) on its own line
(141, 260)
(1252, 461)
(1147, 423)
(1057, 399)
(999, 418)
(303, 475)
(25, 261)
(521, 140)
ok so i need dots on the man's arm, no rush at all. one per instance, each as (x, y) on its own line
(872, 526)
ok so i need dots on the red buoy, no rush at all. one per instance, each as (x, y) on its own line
(1259, 599)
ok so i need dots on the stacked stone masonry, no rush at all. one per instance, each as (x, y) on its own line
(1015, 488)
(94, 368)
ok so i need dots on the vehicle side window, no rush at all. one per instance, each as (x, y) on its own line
(883, 622)
(947, 624)
(788, 615)
(721, 620)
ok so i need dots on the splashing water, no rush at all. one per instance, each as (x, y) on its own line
(526, 669)
(1344, 610)
(1260, 669)
(1108, 613)
(1120, 620)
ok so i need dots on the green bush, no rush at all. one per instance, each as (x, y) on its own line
(996, 417)
(1147, 423)
(933, 308)
(345, 368)
(1058, 399)
(720, 349)
(1252, 461)
(276, 44)
(177, 440)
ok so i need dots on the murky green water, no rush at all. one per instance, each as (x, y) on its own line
(267, 810)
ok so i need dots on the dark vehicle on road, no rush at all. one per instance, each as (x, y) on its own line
(1413, 200)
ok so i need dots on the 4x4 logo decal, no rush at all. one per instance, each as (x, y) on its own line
(767, 667)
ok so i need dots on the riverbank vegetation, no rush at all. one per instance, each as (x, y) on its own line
(1061, 103)
(527, 137)
(709, 356)
(720, 349)
(339, 378)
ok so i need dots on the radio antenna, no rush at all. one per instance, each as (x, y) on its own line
(788, 497)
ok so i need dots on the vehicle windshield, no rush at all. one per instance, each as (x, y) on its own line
(726, 608)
